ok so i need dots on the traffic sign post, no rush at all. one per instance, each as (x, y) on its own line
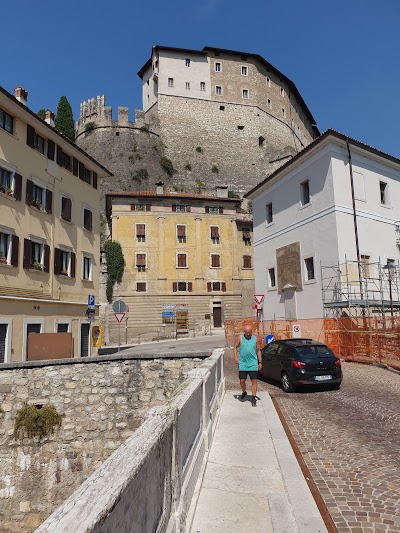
(296, 331)
(119, 316)
(91, 301)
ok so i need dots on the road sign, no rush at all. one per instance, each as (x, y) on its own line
(296, 331)
(259, 298)
(90, 312)
(97, 336)
(269, 338)
(119, 317)
(119, 306)
(91, 300)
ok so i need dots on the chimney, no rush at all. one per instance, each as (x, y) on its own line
(160, 188)
(21, 95)
(222, 191)
(49, 118)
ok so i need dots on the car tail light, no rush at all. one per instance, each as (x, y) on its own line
(298, 364)
(338, 362)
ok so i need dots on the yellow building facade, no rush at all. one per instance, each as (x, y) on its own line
(49, 231)
(185, 254)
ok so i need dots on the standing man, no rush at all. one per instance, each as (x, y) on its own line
(249, 361)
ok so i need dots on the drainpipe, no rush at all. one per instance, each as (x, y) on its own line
(355, 220)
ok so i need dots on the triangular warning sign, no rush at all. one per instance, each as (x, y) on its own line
(259, 298)
(119, 316)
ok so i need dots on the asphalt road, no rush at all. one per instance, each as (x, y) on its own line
(350, 442)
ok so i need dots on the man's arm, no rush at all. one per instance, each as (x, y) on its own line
(235, 349)
(259, 355)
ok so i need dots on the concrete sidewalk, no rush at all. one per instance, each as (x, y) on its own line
(252, 481)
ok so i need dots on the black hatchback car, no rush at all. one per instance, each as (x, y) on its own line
(296, 362)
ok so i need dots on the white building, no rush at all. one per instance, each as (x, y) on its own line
(306, 258)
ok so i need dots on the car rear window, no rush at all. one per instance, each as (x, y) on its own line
(313, 350)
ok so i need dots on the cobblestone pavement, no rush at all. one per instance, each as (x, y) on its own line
(350, 442)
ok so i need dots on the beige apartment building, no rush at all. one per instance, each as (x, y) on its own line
(188, 260)
(49, 231)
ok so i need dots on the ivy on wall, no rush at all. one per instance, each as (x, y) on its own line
(115, 266)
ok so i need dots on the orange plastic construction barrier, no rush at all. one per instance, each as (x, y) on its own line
(363, 339)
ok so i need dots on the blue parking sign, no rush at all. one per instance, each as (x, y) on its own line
(91, 300)
(269, 338)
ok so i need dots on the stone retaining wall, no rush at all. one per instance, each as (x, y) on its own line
(103, 401)
(149, 483)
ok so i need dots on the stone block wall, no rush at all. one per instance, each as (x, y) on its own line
(103, 401)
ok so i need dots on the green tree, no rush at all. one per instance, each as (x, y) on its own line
(64, 122)
(41, 114)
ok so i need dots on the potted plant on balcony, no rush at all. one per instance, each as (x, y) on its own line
(64, 272)
(3, 259)
(37, 204)
(37, 265)
(9, 191)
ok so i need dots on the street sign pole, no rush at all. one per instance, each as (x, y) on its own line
(119, 335)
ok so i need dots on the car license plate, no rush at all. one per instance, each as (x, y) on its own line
(322, 378)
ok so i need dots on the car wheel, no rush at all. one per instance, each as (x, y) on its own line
(287, 385)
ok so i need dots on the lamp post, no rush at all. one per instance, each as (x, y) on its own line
(390, 268)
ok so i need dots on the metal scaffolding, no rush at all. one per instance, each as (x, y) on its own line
(365, 289)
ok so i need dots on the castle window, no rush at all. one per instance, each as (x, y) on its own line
(268, 82)
(202, 86)
(283, 112)
(383, 189)
(282, 91)
(245, 93)
(309, 268)
(187, 62)
(261, 140)
(170, 82)
(240, 127)
(271, 278)
(188, 85)
(269, 104)
(244, 71)
(141, 286)
(218, 90)
(217, 67)
(222, 108)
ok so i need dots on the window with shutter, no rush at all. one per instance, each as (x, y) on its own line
(51, 148)
(3, 338)
(95, 180)
(66, 208)
(60, 156)
(141, 262)
(181, 233)
(215, 261)
(141, 232)
(29, 192)
(141, 286)
(190, 286)
(17, 186)
(87, 219)
(182, 286)
(5, 248)
(181, 261)
(74, 166)
(49, 201)
(214, 233)
(14, 250)
(246, 236)
(174, 286)
(30, 136)
(247, 261)
(81, 171)
(209, 286)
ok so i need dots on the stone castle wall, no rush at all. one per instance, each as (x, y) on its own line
(103, 401)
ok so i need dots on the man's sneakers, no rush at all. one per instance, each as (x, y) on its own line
(253, 401)
(243, 396)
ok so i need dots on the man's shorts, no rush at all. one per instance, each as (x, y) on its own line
(253, 374)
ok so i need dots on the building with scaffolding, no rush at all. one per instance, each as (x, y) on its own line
(327, 232)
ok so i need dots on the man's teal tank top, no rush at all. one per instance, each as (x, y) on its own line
(248, 354)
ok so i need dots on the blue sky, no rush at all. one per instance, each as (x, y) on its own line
(342, 55)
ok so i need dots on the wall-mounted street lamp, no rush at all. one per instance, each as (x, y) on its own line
(390, 269)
